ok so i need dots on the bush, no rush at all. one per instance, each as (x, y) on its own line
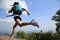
(20, 34)
(38, 36)
(56, 36)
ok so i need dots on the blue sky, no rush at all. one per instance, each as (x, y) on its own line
(40, 10)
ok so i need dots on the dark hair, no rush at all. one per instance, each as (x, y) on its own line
(16, 3)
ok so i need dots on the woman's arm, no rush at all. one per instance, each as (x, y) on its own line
(10, 11)
(23, 9)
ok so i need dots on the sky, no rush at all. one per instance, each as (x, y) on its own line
(40, 10)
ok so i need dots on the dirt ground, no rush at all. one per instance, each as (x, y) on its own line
(3, 37)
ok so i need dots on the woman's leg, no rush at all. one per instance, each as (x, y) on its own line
(14, 29)
(20, 23)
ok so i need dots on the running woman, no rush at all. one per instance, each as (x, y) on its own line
(17, 11)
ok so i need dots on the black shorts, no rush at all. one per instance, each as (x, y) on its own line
(17, 17)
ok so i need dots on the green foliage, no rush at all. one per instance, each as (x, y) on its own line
(27, 37)
(57, 16)
(20, 34)
(57, 19)
(55, 37)
(39, 36)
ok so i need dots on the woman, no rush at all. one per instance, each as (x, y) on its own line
(17, 18)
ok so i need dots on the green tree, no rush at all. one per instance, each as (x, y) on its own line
(20, 34)
(27, 37)
(32, 36)
(57, 19)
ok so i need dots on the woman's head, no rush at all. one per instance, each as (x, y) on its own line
(16, 3)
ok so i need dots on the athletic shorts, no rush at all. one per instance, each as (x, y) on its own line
(17, 17)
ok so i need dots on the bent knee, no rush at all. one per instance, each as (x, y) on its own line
(19, 23)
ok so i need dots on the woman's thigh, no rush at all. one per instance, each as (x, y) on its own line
(17, 20)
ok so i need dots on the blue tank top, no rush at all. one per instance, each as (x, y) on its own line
(16, 9)
(19, 7)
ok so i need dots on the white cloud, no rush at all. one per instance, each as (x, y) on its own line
(5, 4)
(6, 20)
